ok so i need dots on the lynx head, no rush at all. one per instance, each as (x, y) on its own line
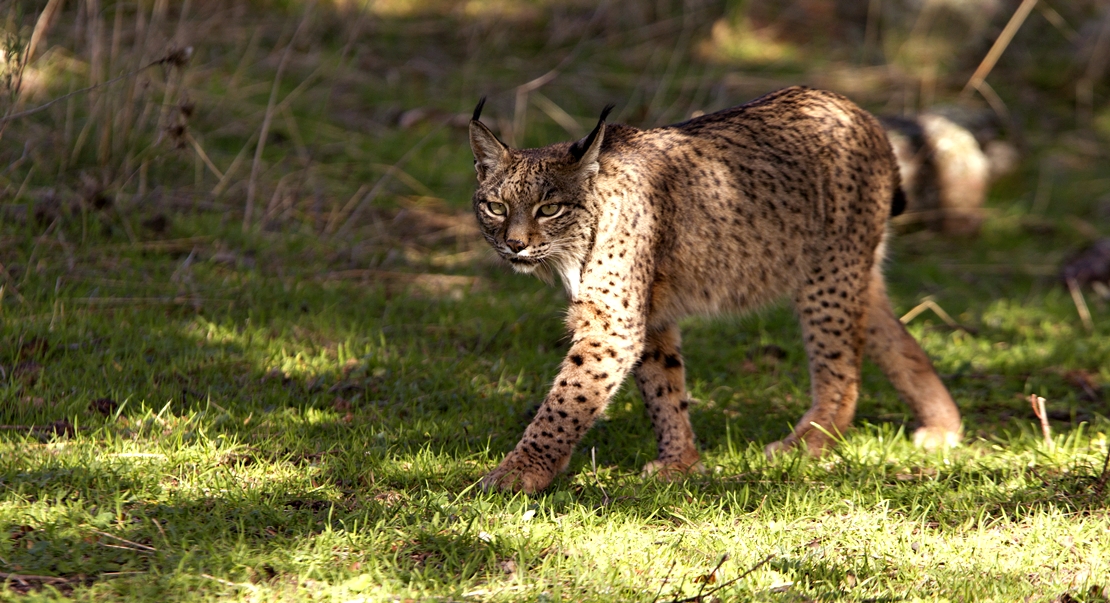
(536, 206)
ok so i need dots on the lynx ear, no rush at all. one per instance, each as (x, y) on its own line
(586, 150)
(489, 152)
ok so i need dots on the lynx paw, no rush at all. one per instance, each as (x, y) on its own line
(814, 445)
(935, 438)
(673, 470)
(519, 472)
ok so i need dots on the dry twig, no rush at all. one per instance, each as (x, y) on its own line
(1080, 305)
(175, 57)
(929, 304)
(1038, 409)
(987, 64)
(698, 598)
(25, 578)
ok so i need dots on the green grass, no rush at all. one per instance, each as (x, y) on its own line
(192, 410)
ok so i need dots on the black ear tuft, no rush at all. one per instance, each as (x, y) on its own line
(478, 110)
(579, 148)
(606, 111)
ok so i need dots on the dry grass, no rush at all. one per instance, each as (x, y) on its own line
(252, 348)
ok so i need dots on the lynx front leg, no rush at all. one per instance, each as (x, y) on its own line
(909, 370)
(661, 378)
(597, 362)
(832, 311)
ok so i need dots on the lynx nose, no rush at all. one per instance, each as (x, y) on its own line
(515, 245)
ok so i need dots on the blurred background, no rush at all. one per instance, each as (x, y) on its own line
(345, 120)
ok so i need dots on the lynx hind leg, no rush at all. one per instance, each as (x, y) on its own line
(832, 310)
(908, 368)
(661, 378)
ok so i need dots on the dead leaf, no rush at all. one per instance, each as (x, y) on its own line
(104, 406)
(35, 347)
(28, 372)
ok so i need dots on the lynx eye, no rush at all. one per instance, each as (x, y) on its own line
(495, 208)
(549, 210)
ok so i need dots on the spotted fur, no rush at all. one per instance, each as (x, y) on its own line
(786, 196)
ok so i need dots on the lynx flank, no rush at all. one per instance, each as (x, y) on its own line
(786, 196)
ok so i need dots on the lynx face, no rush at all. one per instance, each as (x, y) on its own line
(531, 222)
(536, 209)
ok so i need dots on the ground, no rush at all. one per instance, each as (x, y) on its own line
(298, 406)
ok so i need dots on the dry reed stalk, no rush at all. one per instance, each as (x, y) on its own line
(117, 30)
(235, 163)
(85, 130)
(67, 129)
(304, 85)
(174, 80)
(150, 28)
(683, 84)
(179, 32)
(1038, 409)
(279, 193)
(701, 91)
(352, 37)
(144, 166)
(1080, 305)
(338, 213)
(653, 114)
(871, 29)
(349, 221)
(295, 133)
(198, 163)
(244, 60)
(1044, 188)
(920, 28)
(987, 64)
(522, 91)
(74, 93)
(408, 179)
(158, 14)
(124, 220)
(353, 34)
(1057, 21)
(95, 28)
(929, 304)
(995, 102)
(256, 165)
(118, 111)
(204, 157)
(104, 149)
(1096, 65)
(520, 111)
(42, 27)
(23, 186)
(128, 111)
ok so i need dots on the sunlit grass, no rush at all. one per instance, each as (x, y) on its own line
(193, 410)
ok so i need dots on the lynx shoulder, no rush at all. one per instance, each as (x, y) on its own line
(787, 196)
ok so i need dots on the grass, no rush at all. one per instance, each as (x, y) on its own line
(300, 409)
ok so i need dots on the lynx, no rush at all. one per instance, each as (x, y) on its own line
(785, 196)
